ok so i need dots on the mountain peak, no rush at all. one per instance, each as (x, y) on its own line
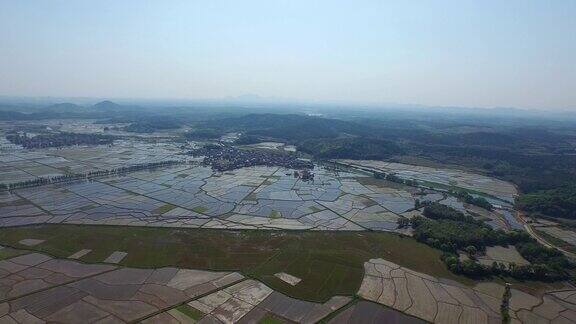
(106, 104)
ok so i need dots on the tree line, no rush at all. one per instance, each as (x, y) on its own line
(59, 140)
(66, 178)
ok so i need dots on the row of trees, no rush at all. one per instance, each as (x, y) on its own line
(40, 181)
(505, 305)
(538, 271)
(59, 140)
(437, 211)
(394, 178)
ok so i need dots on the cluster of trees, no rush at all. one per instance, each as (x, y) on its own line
(559, 202)
(538, 254)
(468, 198)
(439, 211)
(40, 181)
(451, 235)
(404, 222)
(451, 231)
(59, 140)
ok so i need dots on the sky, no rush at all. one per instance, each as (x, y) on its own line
(513, 53)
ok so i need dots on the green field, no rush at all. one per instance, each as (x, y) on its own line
(270, 319)
(164, 208)
(191, 312)
(7, 253)
(329, 263)
(200, 209)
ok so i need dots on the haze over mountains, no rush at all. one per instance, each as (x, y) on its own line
(19, 107)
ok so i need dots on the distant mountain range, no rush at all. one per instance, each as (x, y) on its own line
(83, 107)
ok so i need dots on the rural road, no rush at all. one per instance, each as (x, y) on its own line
(542, 241)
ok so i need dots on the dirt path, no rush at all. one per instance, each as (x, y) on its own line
(542, 241)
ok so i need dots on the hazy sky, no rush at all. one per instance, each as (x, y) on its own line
(469, 53)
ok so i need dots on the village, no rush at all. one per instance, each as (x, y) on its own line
(227, 158)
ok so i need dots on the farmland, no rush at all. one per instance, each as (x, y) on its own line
(247, 243)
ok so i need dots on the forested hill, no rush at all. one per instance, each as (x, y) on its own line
(559, 202)
(292, 127)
